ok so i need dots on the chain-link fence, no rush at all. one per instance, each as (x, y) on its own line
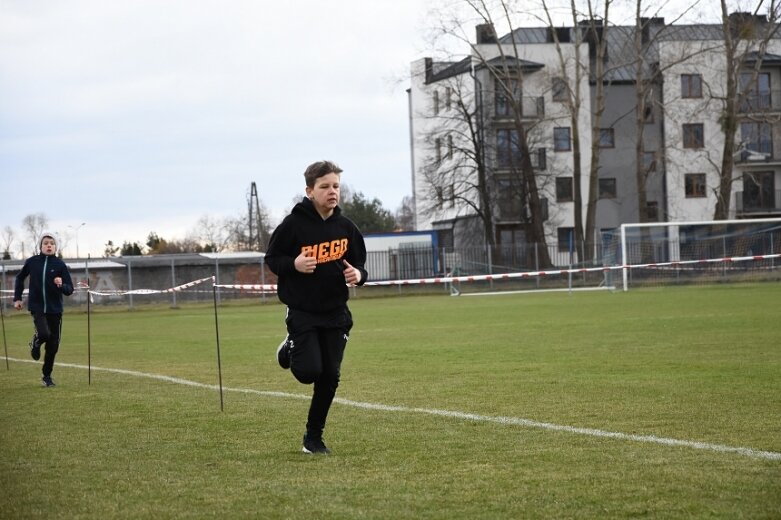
(121, 281)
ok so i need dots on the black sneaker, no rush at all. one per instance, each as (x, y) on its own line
(283, 353)
(315, 445)
(35, 348)
(47, 381)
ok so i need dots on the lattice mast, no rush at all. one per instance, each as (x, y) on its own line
(254, 224)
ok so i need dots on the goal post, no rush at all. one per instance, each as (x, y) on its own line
(699, 251)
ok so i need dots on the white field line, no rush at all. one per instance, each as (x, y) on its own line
(512, 421)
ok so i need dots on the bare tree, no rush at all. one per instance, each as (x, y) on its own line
(745, 34)
(34, 225)
(210, 233)
(498, 64)
(507, 73)
(457, 175)
(405, 215)
(593, 31)
(7, 239)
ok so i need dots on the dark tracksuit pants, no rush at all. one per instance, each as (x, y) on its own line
(48, 328)
(318, 343)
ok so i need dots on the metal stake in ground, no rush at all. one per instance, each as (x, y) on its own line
(89, 337)
(217, 333)
(2, 318)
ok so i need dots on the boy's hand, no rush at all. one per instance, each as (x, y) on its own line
(305, 264)
(351, 275)
(18, 305)
(58, 281)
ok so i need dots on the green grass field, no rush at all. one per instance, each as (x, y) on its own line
(695, 364)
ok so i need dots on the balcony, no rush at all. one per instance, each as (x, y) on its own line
(762, 102)
(756, 204)
(760, 155)
(531, 108)
(507, 159)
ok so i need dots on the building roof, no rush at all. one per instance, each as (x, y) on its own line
(510, 61)
(767, 58)
(447, 69)
(621, 65)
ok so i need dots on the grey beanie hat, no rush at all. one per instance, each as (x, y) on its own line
(47, 234)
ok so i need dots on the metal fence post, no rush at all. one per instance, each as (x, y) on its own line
(263, 278)
(217, 278)
(537, 264)
(129, 284)
(490, 259)
(86, 272)
(2, 299)
(173, 283)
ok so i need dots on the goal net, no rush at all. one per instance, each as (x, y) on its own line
(697, 252)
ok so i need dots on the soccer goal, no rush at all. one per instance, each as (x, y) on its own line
(699, 252)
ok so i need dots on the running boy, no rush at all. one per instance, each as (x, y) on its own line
(49, 280)
(316, 253)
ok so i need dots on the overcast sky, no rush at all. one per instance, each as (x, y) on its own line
(141, 116)
(144, 116)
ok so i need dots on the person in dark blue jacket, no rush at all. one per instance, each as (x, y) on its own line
(49, 280)
(316, 253)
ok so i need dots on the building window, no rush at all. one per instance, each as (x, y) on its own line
(755, 94)
(693, 135)
(508, 148)
(691, 85)
(561, 141)
(449, 195)
(564, 189)
(652, 211)
(435, 102)
(607, 188)
(508, 197)
(757, 138)
(694, 185)
(566, 239)
(607, 138)
(438, 149)
(541, 158)
(759, 191)
(449, 146)
(448, 96)
(559, 89)
(649, 161)
(502, 102)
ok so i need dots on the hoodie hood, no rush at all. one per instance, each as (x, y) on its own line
(307, 207)
(47, 234)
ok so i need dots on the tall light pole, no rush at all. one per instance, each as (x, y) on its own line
(76, 230)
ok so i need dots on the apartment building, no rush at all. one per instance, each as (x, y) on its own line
(467, 179)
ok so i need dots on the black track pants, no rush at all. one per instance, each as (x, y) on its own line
(316, 356)
(48, 328)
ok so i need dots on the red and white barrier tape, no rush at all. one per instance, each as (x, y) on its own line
(554, 272)
(151, 291)
(249, 287)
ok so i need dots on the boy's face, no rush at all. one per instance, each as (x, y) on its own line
(48, 246)
(325, 193)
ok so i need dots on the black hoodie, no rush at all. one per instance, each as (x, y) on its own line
(44, 296)
(331, 240)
